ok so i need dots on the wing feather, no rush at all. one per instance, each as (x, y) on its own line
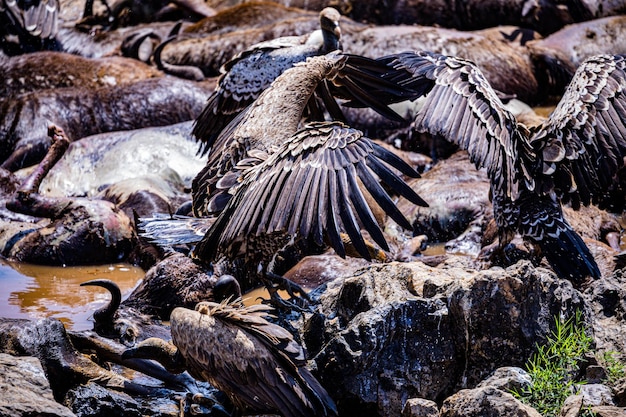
(318, 236)
(303, 194)
(309, 220)
(461, 107)
(332, 215)
(243, 80)
(586, 133)
(363, 210)
(347, 215)
(309, 188)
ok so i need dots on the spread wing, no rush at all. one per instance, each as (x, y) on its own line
(463, 108)
(310, 188)
(37, 18)
(583, 142)
(228, 152)
(354, 78)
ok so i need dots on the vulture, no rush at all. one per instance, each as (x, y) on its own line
(249, 73)
(276, 181)
(256, 363)
(569, 158)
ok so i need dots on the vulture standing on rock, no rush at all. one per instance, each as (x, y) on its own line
(276, 182)
(257, 364)
(260, 367)
(248, 74)
(34, 22)
(571, 157)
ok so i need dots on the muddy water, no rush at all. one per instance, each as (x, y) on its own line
(35, 291)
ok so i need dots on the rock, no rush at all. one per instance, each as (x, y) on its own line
(596, 394)
(608, 411)
(419, 407)
(571, 406)
(370, 367)
(588, 396)
(607, 299)
(64, 366)
(26, 390)
(81, 383)
(507, 378)
(485, 402)
(500, 315)
(92, 400)
(619, 389)
(399, 331)
(595, 374)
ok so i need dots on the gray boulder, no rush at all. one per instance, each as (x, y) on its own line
(485, 402)
(419, 407)
(400, 331)
(25, 389)
(508, 378)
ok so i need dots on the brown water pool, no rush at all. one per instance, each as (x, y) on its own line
(35, 291)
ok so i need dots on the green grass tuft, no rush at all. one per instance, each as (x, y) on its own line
(554, 366)
(613, 366)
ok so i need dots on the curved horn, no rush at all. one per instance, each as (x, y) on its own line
(184, 71)
(106, 313)
(131, 46)
(159, 350)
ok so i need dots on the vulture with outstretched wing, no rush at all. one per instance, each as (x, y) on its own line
(275, 181)
(569, 158)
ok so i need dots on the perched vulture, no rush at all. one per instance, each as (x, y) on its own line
(257, 364)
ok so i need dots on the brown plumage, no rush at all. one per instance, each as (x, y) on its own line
(569, 158)
(248, 74)
(256, 363)
(276, 182)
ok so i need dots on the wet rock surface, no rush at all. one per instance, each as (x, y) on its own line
(93, 400)
(26, 390)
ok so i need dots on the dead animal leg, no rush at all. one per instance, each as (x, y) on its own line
(26, 199)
